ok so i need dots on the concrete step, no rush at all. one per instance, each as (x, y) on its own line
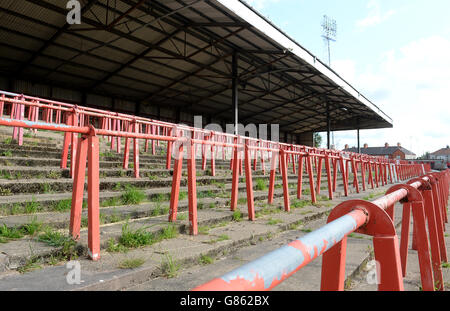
(26, 172)
(49, 185)
(16, 204)
(221, 237)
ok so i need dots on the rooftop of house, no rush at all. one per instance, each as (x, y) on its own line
(442, 152)
(381, 151)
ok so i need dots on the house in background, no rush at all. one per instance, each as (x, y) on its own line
(442, 154)
(395, 153)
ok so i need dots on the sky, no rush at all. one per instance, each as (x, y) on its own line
(395, 52)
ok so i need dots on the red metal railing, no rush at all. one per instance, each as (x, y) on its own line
(181, 139)
(427, 198)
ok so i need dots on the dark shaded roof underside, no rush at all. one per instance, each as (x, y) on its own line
(178, 53)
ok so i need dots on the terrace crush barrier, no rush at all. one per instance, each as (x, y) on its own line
(427, 197)
(183, 142)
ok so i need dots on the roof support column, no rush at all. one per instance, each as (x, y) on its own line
(359, 141)
(328, 127)
(235, 92)
(358, 136)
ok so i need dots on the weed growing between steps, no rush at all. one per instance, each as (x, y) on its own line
(373, 196)
(132, 263)
(107, 154)
(54, 175)
(273, 222)
(33, 263)
(267, 211)
(205, 260)
(300, 203)
(182, 217)
(33, 228)
(261, 185)
(203, 230)
(136, 238)
(113, 201)
(295, 225)
(66, 247)
(221, 238)
(5, 192)
(10, 233)
(7, 153)
(219, 185)
(55, 238)
(159, 210)
(131, 239)
(160, 197)
(183, 195)
(62, 206)
(242, 201)
(237, 215)
(206, 194)
(169, 266)
(9, 141)
(66, 253)
(30, 207)
(133, 196)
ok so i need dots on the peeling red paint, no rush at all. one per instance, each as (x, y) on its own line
(238, 284)
(297, 244)
(325, 245)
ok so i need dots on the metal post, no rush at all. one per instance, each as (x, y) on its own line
(78, 187)
(93, 198)
(177, 167)
(359, 141)
(328, 127)
(235, 93)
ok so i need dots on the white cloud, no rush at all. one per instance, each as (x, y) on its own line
(375, 15)
(346, 68)
(411, 85)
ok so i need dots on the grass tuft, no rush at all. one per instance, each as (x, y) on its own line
(7, 153)
(32, 228)
(133, 196)
(237, 215)
(261, 185)
(273, 222)
(169, 266)
(135, 238)
(206, 260)
(32, 207)
(131, 263)
(54, 238)
(10, 233)
(62, 206)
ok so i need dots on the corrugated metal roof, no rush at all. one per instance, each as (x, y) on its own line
(178, 53)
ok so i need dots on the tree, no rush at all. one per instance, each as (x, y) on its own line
(317, 140)
(425, 156)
